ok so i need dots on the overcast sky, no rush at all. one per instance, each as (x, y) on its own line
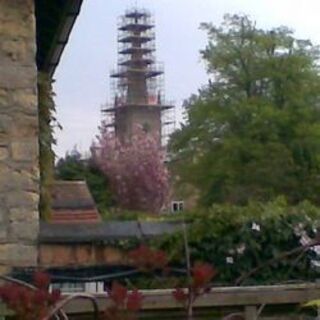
(82, 78)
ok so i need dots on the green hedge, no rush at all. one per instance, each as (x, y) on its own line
(238, 239)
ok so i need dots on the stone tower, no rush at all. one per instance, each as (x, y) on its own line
(138, 97)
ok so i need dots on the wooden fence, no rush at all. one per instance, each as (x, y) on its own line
(258, 302)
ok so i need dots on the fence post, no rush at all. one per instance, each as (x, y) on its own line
(250, 313)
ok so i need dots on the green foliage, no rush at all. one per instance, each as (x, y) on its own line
(312, 303)
(153, 281)
(47, 122)
(237, 239)
(72, 167)
(127, 215)
(253, 133)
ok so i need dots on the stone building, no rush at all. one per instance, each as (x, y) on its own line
(33, 34)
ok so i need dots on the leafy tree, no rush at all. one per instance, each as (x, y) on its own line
(135, 169)
(253, 132)
(72, 167)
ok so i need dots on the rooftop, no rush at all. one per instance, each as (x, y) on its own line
(54, 21)
(73, 203)
(104, 232)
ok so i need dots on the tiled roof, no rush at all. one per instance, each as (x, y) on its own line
(73, 203)
(105, 232)
(75, 216)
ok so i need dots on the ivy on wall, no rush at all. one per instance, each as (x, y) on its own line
(47, 122)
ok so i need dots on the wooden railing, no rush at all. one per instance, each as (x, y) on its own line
(281, 302)
(258, 302)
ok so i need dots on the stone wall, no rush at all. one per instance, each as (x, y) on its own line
(19, 173)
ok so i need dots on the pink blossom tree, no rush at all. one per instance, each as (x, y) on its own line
(135, 168)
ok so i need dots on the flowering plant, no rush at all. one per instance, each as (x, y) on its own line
(146, 259)
(124, 304)
(199, 284)
(34, 302)
(30, 302)
(136, 170)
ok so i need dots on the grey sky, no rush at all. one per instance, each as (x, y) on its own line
(82, 78)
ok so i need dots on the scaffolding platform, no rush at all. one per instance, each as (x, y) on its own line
(138, 94)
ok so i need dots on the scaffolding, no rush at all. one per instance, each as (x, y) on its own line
(137, 90)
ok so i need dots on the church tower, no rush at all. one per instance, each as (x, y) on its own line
(138, 96)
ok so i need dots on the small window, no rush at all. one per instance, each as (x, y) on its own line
(177, 206)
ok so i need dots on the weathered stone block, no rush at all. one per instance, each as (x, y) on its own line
(21, 165)
(10, 179)
(25, 150)
(26, 100)
(16, 8)
(5, 122)
(9, 28)
(4, 139)
(3, 234)
(23, 126)
(26, 180)
(3, 215)
(18, 255)
(13, 50)
(23, 215)
(17, 19)
(17, 199)
(17, 76)
(24, 230)
(5, 100)
(5, 178)
(4, 153)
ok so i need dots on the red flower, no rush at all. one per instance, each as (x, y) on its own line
(134, 301)
(10, 294)
(25, 297)
(202, 274)
(40, 297)
(140, 256)
(118, 294)
(179, 295)
(41, 280)
(27, 303)
(160, 259)
(54, 296)
(146, 258)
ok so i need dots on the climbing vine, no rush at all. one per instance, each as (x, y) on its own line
(47, 123)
